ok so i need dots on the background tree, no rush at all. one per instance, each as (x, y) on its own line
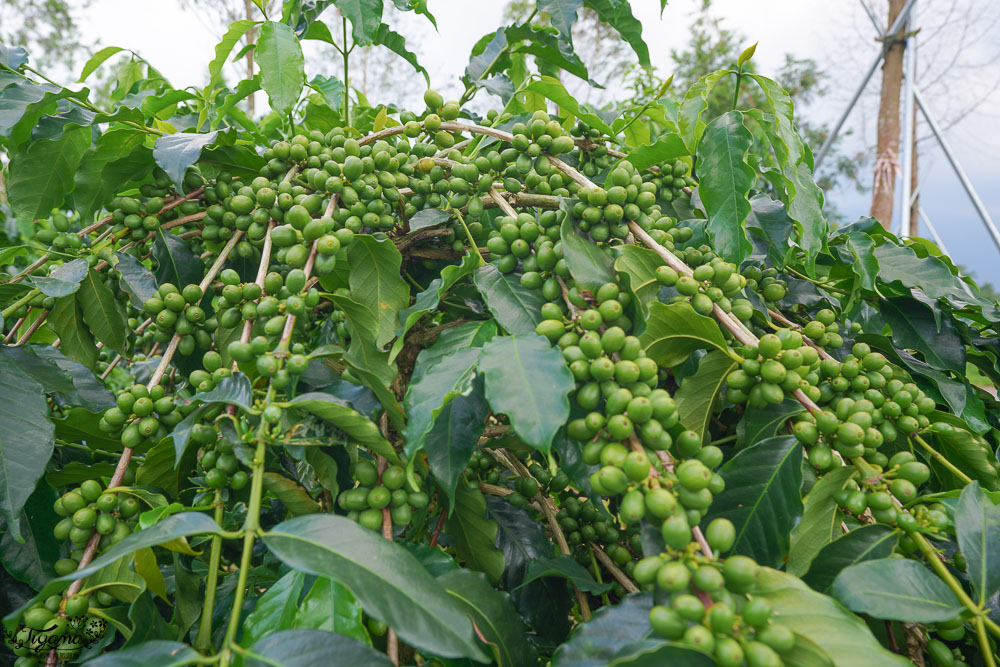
(49, 29)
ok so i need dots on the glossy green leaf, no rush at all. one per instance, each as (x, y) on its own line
(41, 174)
(977, 523)
(232, 36)
(76, 341)
(450, 443)
(306, 648)
(278, 54)
(804, 197)
(171, 528)
(494, 615)
(549, 53)
(694, 105)
(76, 384)
(276, 609)
(101, 311)
(97, 60)
(30, 555)
(174, 153)
(724, 181)
(562, 16)
(746, 55)
(357, 427)
(896, 589)
(442, 372)
(762, 497)
(639, 266)
(768, 224)
(820, 522)
(365, 17)
(475, 533)
(158, 652)
(331, 607)
(673, 332)
(865, 543)
(589, 265)
(564, 567)
(26, 441)
(515, 308)
(428, 217)
(970, 455)
(486, 55)
(915, 327)
(388, 581)
(862, 248)
(118, 156)
(762, 423)
(620, 635)
(697, 393)
(619, 16)
(396, 43)
(233, 390)
(429, 299)
(666, 148)
(928, 273)
(22, 105)
(295, 499)
(543, 603)
(135, 279)
(528, 380)
(376, 283)
(842, 635)
(63, 280)
(417, 7)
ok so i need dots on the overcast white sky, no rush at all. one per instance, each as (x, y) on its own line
(837, 34)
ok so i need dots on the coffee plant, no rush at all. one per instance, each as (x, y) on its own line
(355, 384)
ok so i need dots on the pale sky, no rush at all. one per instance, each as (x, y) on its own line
(837, 34)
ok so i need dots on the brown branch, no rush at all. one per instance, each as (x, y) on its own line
(613, 568)
(33, 328)
(194, 194)
(126, 455)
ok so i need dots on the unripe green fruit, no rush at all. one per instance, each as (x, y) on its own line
(756, 612)
(666, 622)
(758, 654)
(740, 573)
(720, 534)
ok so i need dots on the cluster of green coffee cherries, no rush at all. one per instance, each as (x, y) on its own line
(712, 283)
(942, 654)
(484, 466)
(866, 405)
(365, 503)
(180, 311)
(51, 624)
(725, 621)
(604, 212)
(56, 234)
(780, 363)
(142, 416)
(218, 462)
(535, 243)
(91, 509)
(39, 301)
(134, 217)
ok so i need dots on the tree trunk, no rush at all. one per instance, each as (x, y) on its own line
(886, 156)
(250, 40)
(914, 181)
